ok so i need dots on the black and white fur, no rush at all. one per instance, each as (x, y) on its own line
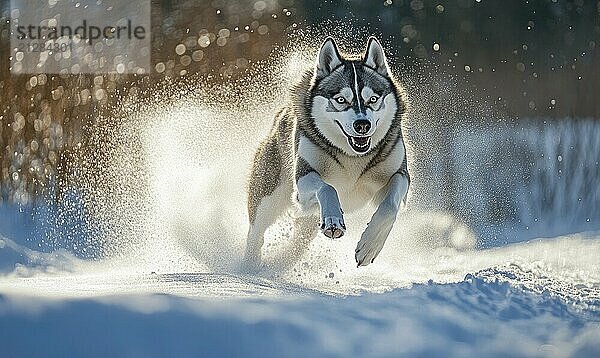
(335, 147)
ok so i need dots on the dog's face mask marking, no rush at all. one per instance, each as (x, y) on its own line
(354, 103)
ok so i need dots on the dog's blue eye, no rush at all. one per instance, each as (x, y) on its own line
(373, 99)
(340, 100)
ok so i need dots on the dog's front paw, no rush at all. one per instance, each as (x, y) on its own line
(371, 242)
(333, 227)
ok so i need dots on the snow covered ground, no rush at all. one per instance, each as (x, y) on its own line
(537, 298)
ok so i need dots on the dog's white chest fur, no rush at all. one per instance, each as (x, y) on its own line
(355, 187)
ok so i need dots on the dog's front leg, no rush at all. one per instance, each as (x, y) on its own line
(312, 192)
(372, 239)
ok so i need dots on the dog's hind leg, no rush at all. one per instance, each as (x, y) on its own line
(268, 210)
(269, 196)
(305, 230)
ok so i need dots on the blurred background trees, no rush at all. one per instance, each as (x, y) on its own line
(534, 58)
(45, 118)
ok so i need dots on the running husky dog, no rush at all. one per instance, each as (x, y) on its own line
(335, 147)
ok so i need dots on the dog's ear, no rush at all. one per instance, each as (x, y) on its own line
(375, 58)
(328, 58)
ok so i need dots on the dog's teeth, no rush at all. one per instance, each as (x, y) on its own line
(354, 141)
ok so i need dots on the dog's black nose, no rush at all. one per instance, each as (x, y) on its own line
(362, 126)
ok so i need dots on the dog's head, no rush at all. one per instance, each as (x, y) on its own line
(353, 100)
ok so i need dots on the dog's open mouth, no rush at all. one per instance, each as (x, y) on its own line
(360, 144)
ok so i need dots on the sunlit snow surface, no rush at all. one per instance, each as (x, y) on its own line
(168, 218)
(539, 298)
